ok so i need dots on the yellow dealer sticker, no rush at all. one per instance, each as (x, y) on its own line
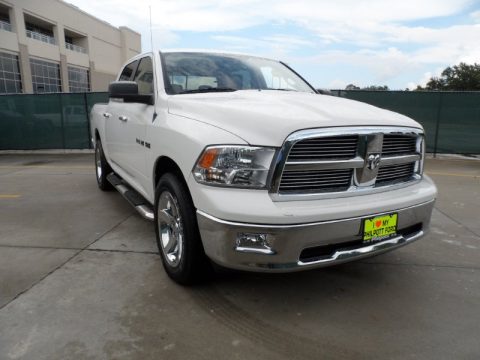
(380, 227)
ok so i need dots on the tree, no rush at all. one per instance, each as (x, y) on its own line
(377, 88)
(371, 87)
(457, 78)
(352, 87)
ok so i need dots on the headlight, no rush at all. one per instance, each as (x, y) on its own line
(235, 166)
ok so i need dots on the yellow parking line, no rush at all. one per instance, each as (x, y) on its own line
(450, 174)
(9, 196)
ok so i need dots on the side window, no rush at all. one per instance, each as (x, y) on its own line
(128, 70)
(144, 76)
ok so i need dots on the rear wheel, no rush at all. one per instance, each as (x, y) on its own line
(102, 169)
(176, 228)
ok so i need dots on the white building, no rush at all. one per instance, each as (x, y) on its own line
(53, 46)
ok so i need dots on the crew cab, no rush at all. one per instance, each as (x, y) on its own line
(239, 161)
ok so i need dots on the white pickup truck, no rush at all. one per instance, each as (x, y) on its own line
(240, 162)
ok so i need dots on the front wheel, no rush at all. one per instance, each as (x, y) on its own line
(176, 228)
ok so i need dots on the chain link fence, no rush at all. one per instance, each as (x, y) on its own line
(61, 121)
(46, 121)
(451, 119)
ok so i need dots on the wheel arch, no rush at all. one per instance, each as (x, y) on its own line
(163, 165)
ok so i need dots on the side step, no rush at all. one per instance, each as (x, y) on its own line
(143, 207)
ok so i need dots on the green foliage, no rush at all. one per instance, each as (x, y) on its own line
(371, 87)
(377, 88)
(461, 77)
(352, 87)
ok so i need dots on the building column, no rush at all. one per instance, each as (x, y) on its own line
(25, 71)
(64, 73)
(18, 24)
(60, 37)
(91, 69)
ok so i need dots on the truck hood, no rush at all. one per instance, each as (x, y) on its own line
(268, 117)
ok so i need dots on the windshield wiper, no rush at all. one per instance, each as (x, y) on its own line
(281, 89)
(194, 91)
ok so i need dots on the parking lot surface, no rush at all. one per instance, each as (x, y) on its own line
(80, 278)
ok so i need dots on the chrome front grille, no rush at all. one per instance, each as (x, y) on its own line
(315, 180)
(335, 147)
(394, 144)
(395, 173)
(345, 161)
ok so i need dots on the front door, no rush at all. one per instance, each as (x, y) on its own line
(137, 117)
(116, 130)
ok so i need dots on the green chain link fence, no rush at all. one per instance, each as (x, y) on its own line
(61, 121)
(451, 119)
(46, 121)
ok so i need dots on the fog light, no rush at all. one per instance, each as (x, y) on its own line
(254, 243)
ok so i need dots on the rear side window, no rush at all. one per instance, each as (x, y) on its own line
(127, 71)
(144, 76)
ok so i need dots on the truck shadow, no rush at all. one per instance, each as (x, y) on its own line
(303, 314)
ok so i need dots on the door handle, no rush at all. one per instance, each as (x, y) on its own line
(106, 115)
(123, 118)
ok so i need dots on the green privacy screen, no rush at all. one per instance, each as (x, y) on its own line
(46, 121)
(60, 121)
(451, 119)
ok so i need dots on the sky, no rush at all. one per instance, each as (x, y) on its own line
(332, 43)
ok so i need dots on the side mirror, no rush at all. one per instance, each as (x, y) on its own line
(128, 92)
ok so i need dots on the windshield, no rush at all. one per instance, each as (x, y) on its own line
(200, 72)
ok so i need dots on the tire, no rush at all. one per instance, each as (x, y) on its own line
(176, 229)
(102, 169)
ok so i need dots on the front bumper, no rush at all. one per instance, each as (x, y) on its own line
(305, 246)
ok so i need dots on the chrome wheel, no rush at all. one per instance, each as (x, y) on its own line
(170, 228)
(98, 161)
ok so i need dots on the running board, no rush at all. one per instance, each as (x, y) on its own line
(134, 198)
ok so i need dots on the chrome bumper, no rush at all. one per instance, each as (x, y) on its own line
(288, 243)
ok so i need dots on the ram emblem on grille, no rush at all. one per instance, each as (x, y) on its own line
(373, 161)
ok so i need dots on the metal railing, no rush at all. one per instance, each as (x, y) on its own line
(41, 37)
(76, 48)
(5, 26)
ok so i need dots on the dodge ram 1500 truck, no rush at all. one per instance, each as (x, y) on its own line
(240, 162)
